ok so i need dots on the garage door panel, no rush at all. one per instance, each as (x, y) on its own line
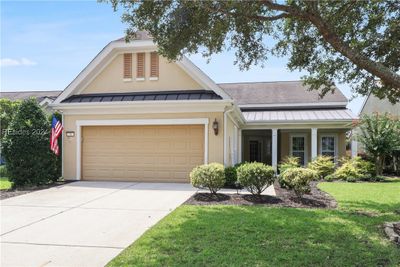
(141, 153)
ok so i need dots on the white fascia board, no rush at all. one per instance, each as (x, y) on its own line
(193, 121)
(363, 104)
(199, 76)
(297, 122)
(144, 107)
(304, 125)
(283, 105)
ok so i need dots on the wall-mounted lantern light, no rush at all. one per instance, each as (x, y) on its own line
(215, 127)
(70, 133)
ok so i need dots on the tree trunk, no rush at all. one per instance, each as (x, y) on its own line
(387, 76)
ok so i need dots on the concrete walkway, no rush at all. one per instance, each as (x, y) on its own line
(82, 223)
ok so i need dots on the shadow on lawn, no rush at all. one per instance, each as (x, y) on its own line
(262, 236)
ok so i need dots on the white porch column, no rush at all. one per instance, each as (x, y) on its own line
(354, 147)
(314, 143)
(275, 149)
(240, 146)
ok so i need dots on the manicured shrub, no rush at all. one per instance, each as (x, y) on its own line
(355, 169)
(26, 147)
(323, 165)
(288, 163)
(255, 177)
(211, 176)
(231, 177)
(366, 167)
(298, 179)
(330, 178)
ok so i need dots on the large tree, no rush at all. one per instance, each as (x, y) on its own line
(355, 42)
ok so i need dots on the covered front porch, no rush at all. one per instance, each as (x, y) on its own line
(271, 146)
(270, 136)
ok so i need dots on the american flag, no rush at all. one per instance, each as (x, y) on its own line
(56, 130)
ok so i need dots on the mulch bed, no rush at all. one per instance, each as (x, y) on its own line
(284, 198)
(21, 191)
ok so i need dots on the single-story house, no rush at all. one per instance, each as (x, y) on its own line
(132, 115)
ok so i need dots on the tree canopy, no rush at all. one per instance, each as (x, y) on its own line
(354, 42)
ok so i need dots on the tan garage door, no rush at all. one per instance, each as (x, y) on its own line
(141, 153)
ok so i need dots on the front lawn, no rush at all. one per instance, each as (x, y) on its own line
(265, 236)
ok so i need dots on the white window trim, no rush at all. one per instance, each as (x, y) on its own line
(305, 145)
(81, 123)
(153, 78)
(335, 136)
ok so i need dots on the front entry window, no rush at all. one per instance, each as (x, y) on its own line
(328, 146)
(255, 151)
(298, 148)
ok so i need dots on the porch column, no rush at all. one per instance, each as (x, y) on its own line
(354, 147)
(240, 146)
(314, 143)
(275, 149)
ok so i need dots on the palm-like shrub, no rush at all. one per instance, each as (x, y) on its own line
(380, 135)
(288, 163)
(211, 176)
(298, 179)
(323, 165)
(355, 169)
(255, 177)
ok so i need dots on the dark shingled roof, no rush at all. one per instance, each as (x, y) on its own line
(286, 92)
(144, 96)
(39, 95)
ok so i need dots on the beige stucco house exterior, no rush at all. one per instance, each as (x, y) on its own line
(132, 115)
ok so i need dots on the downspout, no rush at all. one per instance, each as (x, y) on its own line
(229, 110)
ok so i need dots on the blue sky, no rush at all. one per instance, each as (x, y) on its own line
(45, 44)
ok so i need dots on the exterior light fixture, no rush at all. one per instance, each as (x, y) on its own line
(70, 133)
(215, 127)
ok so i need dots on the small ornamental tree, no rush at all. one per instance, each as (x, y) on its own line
(380, 135)
(26, 147)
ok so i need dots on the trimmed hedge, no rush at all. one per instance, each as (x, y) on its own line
(211, 176)
(255, 177)
(298, 179)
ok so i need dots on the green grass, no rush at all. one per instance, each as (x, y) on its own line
(265, 236)
(4, 183)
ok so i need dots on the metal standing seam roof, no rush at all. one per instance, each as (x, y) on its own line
(144, 96)
(299, 115)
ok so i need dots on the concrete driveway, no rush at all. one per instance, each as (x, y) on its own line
(82, 223)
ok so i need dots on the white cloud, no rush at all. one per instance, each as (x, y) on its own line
(12, 62)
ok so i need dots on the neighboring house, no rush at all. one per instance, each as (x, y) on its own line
(373, 104)
(132, 115)
(44, 98)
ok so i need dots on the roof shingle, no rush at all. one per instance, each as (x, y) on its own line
(286, 92)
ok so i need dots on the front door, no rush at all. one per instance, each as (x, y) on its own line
(256, 146)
